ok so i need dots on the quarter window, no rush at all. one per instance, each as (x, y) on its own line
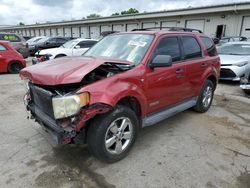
(168, 46)
(2, 48)
(191, 47)
(210, 47)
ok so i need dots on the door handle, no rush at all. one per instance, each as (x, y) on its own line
(204, 65)
(179, 71)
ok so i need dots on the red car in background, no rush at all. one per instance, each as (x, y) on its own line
(10, 60)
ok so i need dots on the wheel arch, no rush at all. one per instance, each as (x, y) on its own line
(13, 61)
(60, 55)
(213, 79)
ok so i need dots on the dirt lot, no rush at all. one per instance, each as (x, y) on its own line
(187, 150)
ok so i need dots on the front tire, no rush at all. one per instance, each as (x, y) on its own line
(205, 98)
(111, 136)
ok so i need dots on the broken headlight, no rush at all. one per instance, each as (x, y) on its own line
(66, 106)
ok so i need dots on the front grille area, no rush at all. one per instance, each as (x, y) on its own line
(227, 73)
(42, 99)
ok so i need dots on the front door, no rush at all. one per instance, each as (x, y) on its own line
(166, 86)
(3, 54)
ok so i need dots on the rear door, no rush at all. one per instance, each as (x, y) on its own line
(196, 63)
(166, 86)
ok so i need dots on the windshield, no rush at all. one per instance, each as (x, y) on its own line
(70, 44)
(131, 47)
(234, 49)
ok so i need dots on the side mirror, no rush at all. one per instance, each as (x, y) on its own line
(77, 47)
(47, 42)
(161, 61)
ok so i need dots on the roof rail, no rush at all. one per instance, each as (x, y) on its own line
(170, 29)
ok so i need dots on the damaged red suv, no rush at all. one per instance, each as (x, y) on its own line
(125, 82)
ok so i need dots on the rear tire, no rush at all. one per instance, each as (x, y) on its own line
(205, 98)
(111, 136)
(15, 67)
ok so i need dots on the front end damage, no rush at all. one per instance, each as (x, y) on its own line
(63, 130)
(56, 98)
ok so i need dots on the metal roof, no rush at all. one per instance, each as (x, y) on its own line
(232, 7)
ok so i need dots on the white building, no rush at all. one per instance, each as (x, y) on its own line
(216, 21)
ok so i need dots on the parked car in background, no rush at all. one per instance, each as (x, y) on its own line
(224, 40)
(48, 42)
(123, 83)
(74, 47)
(32, 43)
(245, 84)
(34, 40)
(10, 60)
(27, 37)
(17, 41)
(235, 60)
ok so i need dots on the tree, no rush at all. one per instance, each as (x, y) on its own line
(130, 11)
(94, 16)
(115, 14)
(21, 23)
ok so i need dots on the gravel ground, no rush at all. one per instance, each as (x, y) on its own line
(187, 150)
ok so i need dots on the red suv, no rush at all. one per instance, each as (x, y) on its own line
(125, 82)
(10, 60)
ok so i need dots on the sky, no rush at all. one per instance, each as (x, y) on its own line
(40, 11)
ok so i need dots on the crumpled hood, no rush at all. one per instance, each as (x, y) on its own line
(65, 70)
(233, 59)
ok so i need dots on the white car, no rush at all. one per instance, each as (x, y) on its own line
(75, 47)
(235, 60)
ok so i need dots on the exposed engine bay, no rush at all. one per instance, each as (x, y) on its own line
(104, 71)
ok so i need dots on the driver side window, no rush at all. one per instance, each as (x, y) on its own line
(168, 46)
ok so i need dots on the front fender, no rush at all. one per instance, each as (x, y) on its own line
(111, 92)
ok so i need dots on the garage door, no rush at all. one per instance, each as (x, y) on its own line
(168, 24)
(42, 32)
(94, 32)
(32, 32)
(37, 32)
(246, 27)
(75, 32)
(67, 32)
(132, 26)
(60, 32)
(118, 27)
(53, 32)
(85, 32)
(105, 28)
(149, 24)
(47, 32)
(196, 24)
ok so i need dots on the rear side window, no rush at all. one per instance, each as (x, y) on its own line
(10, 37)
(87, 44)
(168, 46)
(2, 48)
(210, 47)
(191, 48)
